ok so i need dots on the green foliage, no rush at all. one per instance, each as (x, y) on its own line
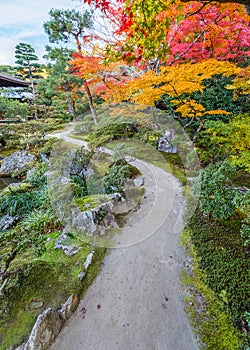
(117, 128)
(65, 24)
(148, 135)
(217, 196)
(232, 139)
(26, 59)
(217, 96)
(245, 227)
(24, 55)
(37, 177)
(48, 146)
(206, 309)
(30, 134)
(221, 254)
(79, 186)
(116, 177)
(13, 109)
(79, 167)
(61, 89)
(18, 188)
(19, 203)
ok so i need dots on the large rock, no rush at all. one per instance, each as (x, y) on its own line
(16, 162)
(44, 332)
(7, 221)
(96, 221)
(69, 307)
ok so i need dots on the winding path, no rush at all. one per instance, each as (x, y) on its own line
(136, 301)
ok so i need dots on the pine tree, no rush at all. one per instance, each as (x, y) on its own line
(26, 59)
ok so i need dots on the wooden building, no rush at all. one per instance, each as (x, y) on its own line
(8, 81)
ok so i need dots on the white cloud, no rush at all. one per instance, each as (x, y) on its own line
(7, 51)
(30, 11)
(22, 21)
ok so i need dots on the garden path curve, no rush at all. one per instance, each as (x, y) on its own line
(136, 300)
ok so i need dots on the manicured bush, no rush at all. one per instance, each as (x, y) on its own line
(12, 109)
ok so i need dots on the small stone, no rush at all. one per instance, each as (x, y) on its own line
(139, 181)
(88, 260)
(36, 304)
(81, 276)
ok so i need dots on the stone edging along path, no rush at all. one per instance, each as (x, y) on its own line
(136, 300)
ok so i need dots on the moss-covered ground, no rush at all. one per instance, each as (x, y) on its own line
(218, 293)
(49, 279)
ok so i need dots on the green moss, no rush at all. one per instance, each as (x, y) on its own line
(14, 334)
(223, 257)
(90, 202)
(219, 276)
(23, 187)
(51, 278)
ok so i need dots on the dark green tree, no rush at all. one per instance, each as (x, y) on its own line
(9, 70)
(60, 84)
(27, 65)
(67, 24)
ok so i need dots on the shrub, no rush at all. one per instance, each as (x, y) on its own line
(116, 177)
(217, 196)
(20, 203)
(12, 108)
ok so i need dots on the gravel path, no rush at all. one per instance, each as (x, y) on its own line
(136, 301)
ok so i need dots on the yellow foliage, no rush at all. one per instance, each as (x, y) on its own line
(242, 82)
(235, 138)
(172, 80)
(190, 108)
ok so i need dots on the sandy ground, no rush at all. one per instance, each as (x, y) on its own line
(136, 301)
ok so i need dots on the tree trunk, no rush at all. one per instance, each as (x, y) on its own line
(70, 108)
(86, 88)
(198, 130)
(33, 93)
(78, 44)
(90, 101)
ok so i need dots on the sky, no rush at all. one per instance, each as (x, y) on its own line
(22, 21)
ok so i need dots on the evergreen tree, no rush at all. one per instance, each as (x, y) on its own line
(65, 25)
(26, 60)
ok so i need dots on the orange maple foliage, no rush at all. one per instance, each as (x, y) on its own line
(97, 75)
